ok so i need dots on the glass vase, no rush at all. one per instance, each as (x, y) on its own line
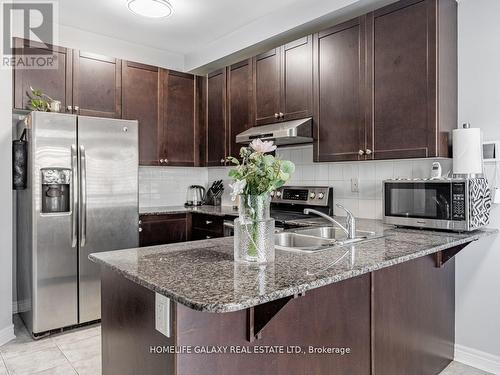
(254, 230)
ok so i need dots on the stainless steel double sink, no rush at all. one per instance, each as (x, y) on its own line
(314, 239)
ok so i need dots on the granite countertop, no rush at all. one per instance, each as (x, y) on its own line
(209, 210)
(203, 276)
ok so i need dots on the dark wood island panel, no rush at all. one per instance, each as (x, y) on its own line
(397, 320)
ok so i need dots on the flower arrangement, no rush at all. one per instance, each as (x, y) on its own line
(255, 177)
(259, 172)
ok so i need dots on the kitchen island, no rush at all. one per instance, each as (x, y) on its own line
(384, 306)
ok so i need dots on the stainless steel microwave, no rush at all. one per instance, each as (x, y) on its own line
(454, 204)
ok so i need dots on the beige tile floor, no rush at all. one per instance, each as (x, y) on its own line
(79, 352)
(71, 353)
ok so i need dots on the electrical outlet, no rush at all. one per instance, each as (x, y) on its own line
(354, 185)
(162, 314)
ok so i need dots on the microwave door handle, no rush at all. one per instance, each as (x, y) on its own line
(74, 196)
(83, 197)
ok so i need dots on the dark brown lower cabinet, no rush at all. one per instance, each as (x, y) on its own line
(204, 227)
(163, 229)
(413, 317)
(395, 321)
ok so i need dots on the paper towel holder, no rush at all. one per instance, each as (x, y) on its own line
(467, 125)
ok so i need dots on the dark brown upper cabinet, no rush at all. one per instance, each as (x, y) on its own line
(339, 81)
(96, 85)
(178, 118)
(216, 125)
(297, 79)
(413, 60)
(56, 83)
(283, 82)
(140, 101)
(239, 103)
(267, 87)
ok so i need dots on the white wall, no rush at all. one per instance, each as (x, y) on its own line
(6, 327)
(86, 41)
(478, 276)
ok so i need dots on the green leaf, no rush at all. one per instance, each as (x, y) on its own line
(287, 166)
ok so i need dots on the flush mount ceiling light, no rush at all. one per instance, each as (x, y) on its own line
(150, 8)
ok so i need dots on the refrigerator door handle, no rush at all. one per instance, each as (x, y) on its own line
(83, 197)
(74, 196)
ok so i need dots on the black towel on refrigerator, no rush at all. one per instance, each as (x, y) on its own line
(20, 163)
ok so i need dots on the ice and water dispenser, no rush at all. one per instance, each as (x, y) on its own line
(56, 186)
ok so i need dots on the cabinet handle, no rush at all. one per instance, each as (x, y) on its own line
(276, 115)
(140, 222)
(69, 108)
(282, 115)
(368, 151)
(222, 160)
(77, 108)
(166, 161)
(361, 152)
(208, 222)
(140, 230)
(161, 161)
(208, 237)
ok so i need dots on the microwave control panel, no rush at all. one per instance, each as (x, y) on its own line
(458, 201)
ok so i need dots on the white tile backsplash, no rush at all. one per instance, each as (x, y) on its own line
(166, 186)
(367, 203)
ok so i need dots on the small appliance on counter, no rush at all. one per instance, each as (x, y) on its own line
(195, 195)
(214, 194)
(455, 204)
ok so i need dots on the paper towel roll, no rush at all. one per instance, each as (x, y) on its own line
(467, 151)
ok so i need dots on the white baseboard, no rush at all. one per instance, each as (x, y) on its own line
(7, 334)
(478, 359)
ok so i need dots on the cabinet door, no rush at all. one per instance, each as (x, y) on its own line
(163, 229)
(339, 124)
(140, 102)
(413, 317)
(239, 97)
(297, 79)
(178, 118)
(267, 87)
(216, 118)
(56, 83)
(403, 63)
(96, 85)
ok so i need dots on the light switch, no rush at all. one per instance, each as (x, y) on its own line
(162, 314)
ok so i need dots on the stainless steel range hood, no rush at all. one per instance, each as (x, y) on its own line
(282, 133)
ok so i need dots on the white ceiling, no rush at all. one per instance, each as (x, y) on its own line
(193, 24)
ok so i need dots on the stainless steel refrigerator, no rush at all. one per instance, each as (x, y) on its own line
(82, 198)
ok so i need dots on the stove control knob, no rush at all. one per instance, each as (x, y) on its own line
(312, 195)
(278, 194)
(272, 193)
(321, 195)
